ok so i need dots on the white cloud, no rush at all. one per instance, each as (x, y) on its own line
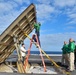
(47, 10)
(9, 11)
(7, 19)
(63, 3)
(44, 11)
(68, 8)
(5, 7)
(70, 28)
(44, 1)
(46, 30)
(22, 1)
(12, 5)
(54, 42)
(72, 21)
(71, 14)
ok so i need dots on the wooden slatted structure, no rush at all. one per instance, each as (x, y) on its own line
(23, 23)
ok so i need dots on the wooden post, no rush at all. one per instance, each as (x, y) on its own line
(19, 62)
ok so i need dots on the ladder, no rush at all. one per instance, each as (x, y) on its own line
(37, 44)
(54, 63)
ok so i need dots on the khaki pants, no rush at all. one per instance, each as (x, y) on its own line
(64, 61)
(71, 61)
(67, 59)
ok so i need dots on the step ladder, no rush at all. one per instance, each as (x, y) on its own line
(37, 45)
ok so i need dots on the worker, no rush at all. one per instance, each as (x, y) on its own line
(71, 48)
(23, 52)
(64, 51)
(75, 55)
(37, 30)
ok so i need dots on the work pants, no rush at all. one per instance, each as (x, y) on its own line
(67, 59)
(64, 59)
(71, 61)
(75, 57)
(38, 34)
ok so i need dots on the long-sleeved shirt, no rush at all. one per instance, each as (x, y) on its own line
(23, 51)
(71, 47)
(37, 27)
(65, 48)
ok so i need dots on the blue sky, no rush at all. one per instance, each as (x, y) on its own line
(57, 17)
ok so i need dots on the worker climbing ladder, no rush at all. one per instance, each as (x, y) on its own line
(32, 41)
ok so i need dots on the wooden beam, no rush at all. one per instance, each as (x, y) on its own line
(22, 24)
(5, 44)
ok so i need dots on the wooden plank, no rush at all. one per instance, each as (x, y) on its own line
(23, 23)
(5, 55)
(16, 21)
